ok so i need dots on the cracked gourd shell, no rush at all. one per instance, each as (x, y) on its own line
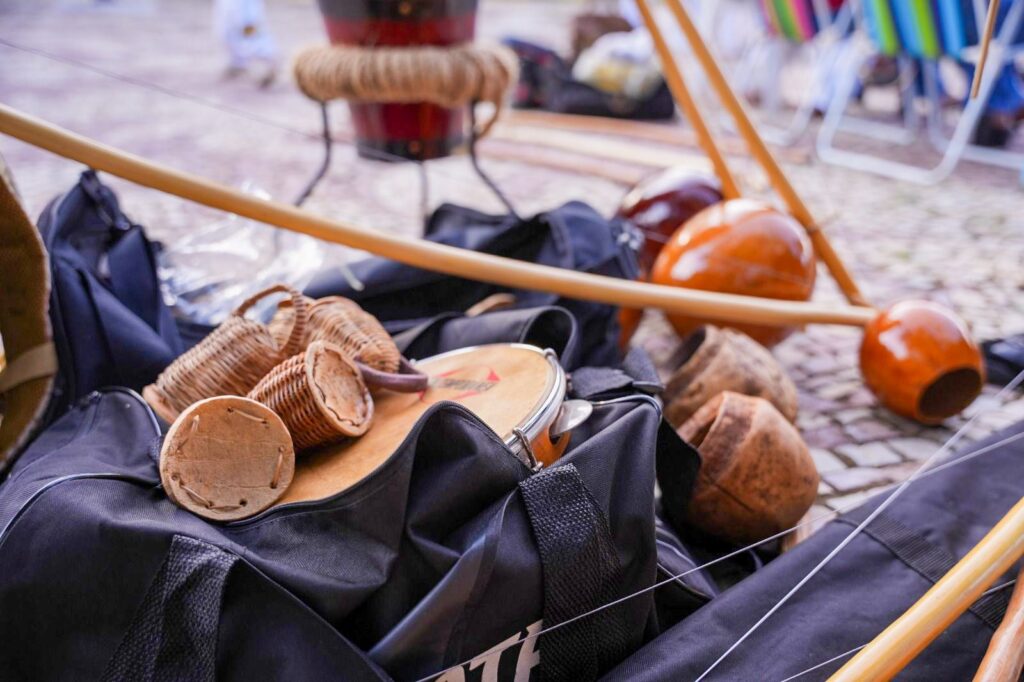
(757, 477)
(726, 360)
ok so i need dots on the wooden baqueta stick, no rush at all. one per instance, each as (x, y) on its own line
(681, 93)
(888, 653)
(759, 149)
(424, 254)
(1004, 659)
(986, 41)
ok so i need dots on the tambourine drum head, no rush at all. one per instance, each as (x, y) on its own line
(503, 384)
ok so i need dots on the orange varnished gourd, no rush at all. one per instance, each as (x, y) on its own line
(920, 361)
(740, 246)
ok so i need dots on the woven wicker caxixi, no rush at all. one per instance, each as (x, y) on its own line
(320, 395)
(342, 322)
(230, 361)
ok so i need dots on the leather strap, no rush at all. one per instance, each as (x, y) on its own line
(35, 363)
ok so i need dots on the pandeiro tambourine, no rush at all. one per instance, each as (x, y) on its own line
(517, 390)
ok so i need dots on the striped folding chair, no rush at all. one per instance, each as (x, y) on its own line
(926, 31)
(811, 28)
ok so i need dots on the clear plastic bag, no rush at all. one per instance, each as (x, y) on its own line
(207, 273)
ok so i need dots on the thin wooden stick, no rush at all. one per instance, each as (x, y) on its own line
(1004, 659)
(676, 83)
(659, 133)
(986, 40)
(576, 163)
(899, 643)
(760, 151)
(421, 253)
(611, 149)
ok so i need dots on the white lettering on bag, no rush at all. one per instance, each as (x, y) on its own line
(527, 658)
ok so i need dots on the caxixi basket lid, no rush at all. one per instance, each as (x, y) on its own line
(28, 361)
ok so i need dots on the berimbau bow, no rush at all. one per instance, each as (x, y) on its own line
(962, 585)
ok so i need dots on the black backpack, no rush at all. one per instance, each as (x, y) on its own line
(573, 236)
(110, 324)
(449, 549)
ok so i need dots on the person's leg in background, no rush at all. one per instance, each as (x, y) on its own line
(243, 28)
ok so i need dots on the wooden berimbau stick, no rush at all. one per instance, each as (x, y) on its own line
(424, 254)
(986, 41)
(681, 94)
(888, 653)
(759, 149)
(1004, 659)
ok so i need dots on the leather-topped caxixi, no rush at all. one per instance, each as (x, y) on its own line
(231, 360)
(319, 394)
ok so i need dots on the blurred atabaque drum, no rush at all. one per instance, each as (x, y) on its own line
(410, 130)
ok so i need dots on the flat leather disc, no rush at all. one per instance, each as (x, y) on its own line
(227, 458)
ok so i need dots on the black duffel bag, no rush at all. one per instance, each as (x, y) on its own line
(870, 583)
(451, 553)
(573, 236)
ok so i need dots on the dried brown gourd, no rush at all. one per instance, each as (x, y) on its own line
(726, 360)
(757, 477)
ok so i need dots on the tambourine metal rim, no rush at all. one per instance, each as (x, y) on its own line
(544, 412)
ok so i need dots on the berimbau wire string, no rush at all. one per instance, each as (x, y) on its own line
(380, 155)
(223, 108)
(886, 502)
(923, 471)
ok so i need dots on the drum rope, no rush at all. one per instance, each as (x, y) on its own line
(921, 473)
(451, 77)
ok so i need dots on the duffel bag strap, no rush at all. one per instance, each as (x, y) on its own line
(581, 572)
(636, 374)
(924, 556)
(173, 635)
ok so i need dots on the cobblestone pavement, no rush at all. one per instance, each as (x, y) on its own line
(961, 243)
